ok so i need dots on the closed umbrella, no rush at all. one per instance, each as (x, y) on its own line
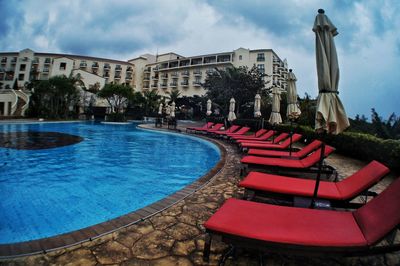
(275, 117)
(293, 111)
(330, 114)
(167, 110)
(160, 109)
(231, 115)
(172, 114)
(257, 105)
(209, 104)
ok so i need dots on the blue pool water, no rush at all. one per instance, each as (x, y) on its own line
(116, 169)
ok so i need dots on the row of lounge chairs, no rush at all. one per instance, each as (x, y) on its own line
(267, 227)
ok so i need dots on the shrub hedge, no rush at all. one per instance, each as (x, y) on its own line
(358, 145)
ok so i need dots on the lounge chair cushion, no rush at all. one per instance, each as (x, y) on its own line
(380, 215)
(287, 225)
(362, 179)
(289, 185)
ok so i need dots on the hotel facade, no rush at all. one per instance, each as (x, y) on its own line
(163, 73)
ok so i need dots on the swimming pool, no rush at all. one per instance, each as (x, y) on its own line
(111, 171)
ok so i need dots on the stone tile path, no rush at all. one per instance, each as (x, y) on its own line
(176, 235)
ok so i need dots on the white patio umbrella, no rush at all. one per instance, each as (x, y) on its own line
(257, 105)
(275, 117)
(209, 104)
(167, 109)
(330, 115)
(231, 115)
(293, 111)
(172, 114)
(160, 109)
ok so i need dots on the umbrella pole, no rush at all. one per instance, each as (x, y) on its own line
(317, 181)
(291, 137)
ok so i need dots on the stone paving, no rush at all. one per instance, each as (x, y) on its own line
(176, 235)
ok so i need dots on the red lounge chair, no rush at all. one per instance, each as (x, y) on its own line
(264, 136)
(298, 154)
(240, 132)
(279, 146)
(339, 193)
(274, 228)
(205, 126)
(232, 129)
(215, 127)
(277, 139)
(302, 164)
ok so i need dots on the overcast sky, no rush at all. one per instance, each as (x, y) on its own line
(368, 42)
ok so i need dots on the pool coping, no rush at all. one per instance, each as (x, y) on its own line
(88, 234)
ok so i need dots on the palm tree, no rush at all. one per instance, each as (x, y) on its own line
(151, 101)
(174, 95)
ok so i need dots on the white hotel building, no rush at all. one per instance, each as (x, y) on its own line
(148, 72)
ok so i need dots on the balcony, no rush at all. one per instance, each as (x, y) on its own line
(185, 73)
(117, 77)
(4, 60)
(106, 75)
(197, 72)
(47, 61)
(164, 76)
(118, 68)
(14, 60)
(197, 83)
(129, 70)
(128, 78)
(154, 86)
(35, 61)
(174, 74)
(147, 70)
(155, 77)
(155, 69)
(146, 77)
(106, 67)
(46, 70)
(95, 65)
(260, 59)
(184, 83)
(173, 84)
(82, 65)
(164, 85)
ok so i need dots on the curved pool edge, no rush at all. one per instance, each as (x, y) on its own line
(88, 234)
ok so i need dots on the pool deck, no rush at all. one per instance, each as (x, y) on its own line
(175, 235)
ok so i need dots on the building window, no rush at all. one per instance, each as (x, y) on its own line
(63, 66)
(21, 76)
(22, 67)
(240, 57)
(260, 57)
(261, 68)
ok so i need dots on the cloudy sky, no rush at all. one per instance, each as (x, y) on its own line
(368, 42)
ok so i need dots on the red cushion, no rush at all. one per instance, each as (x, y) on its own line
(362, 179)
(288, 225)
(380, 215)
(272, 161)
(265, 136)
(299, 154)
(289, 185)
(239, 132)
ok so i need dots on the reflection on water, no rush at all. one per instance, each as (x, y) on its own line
(33, 140)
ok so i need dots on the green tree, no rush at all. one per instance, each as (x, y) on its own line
(53, 98)
(239, 83)
(174, 95)
(152, 100)
(117, 96)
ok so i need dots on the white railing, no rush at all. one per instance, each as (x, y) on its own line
(14, 105)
